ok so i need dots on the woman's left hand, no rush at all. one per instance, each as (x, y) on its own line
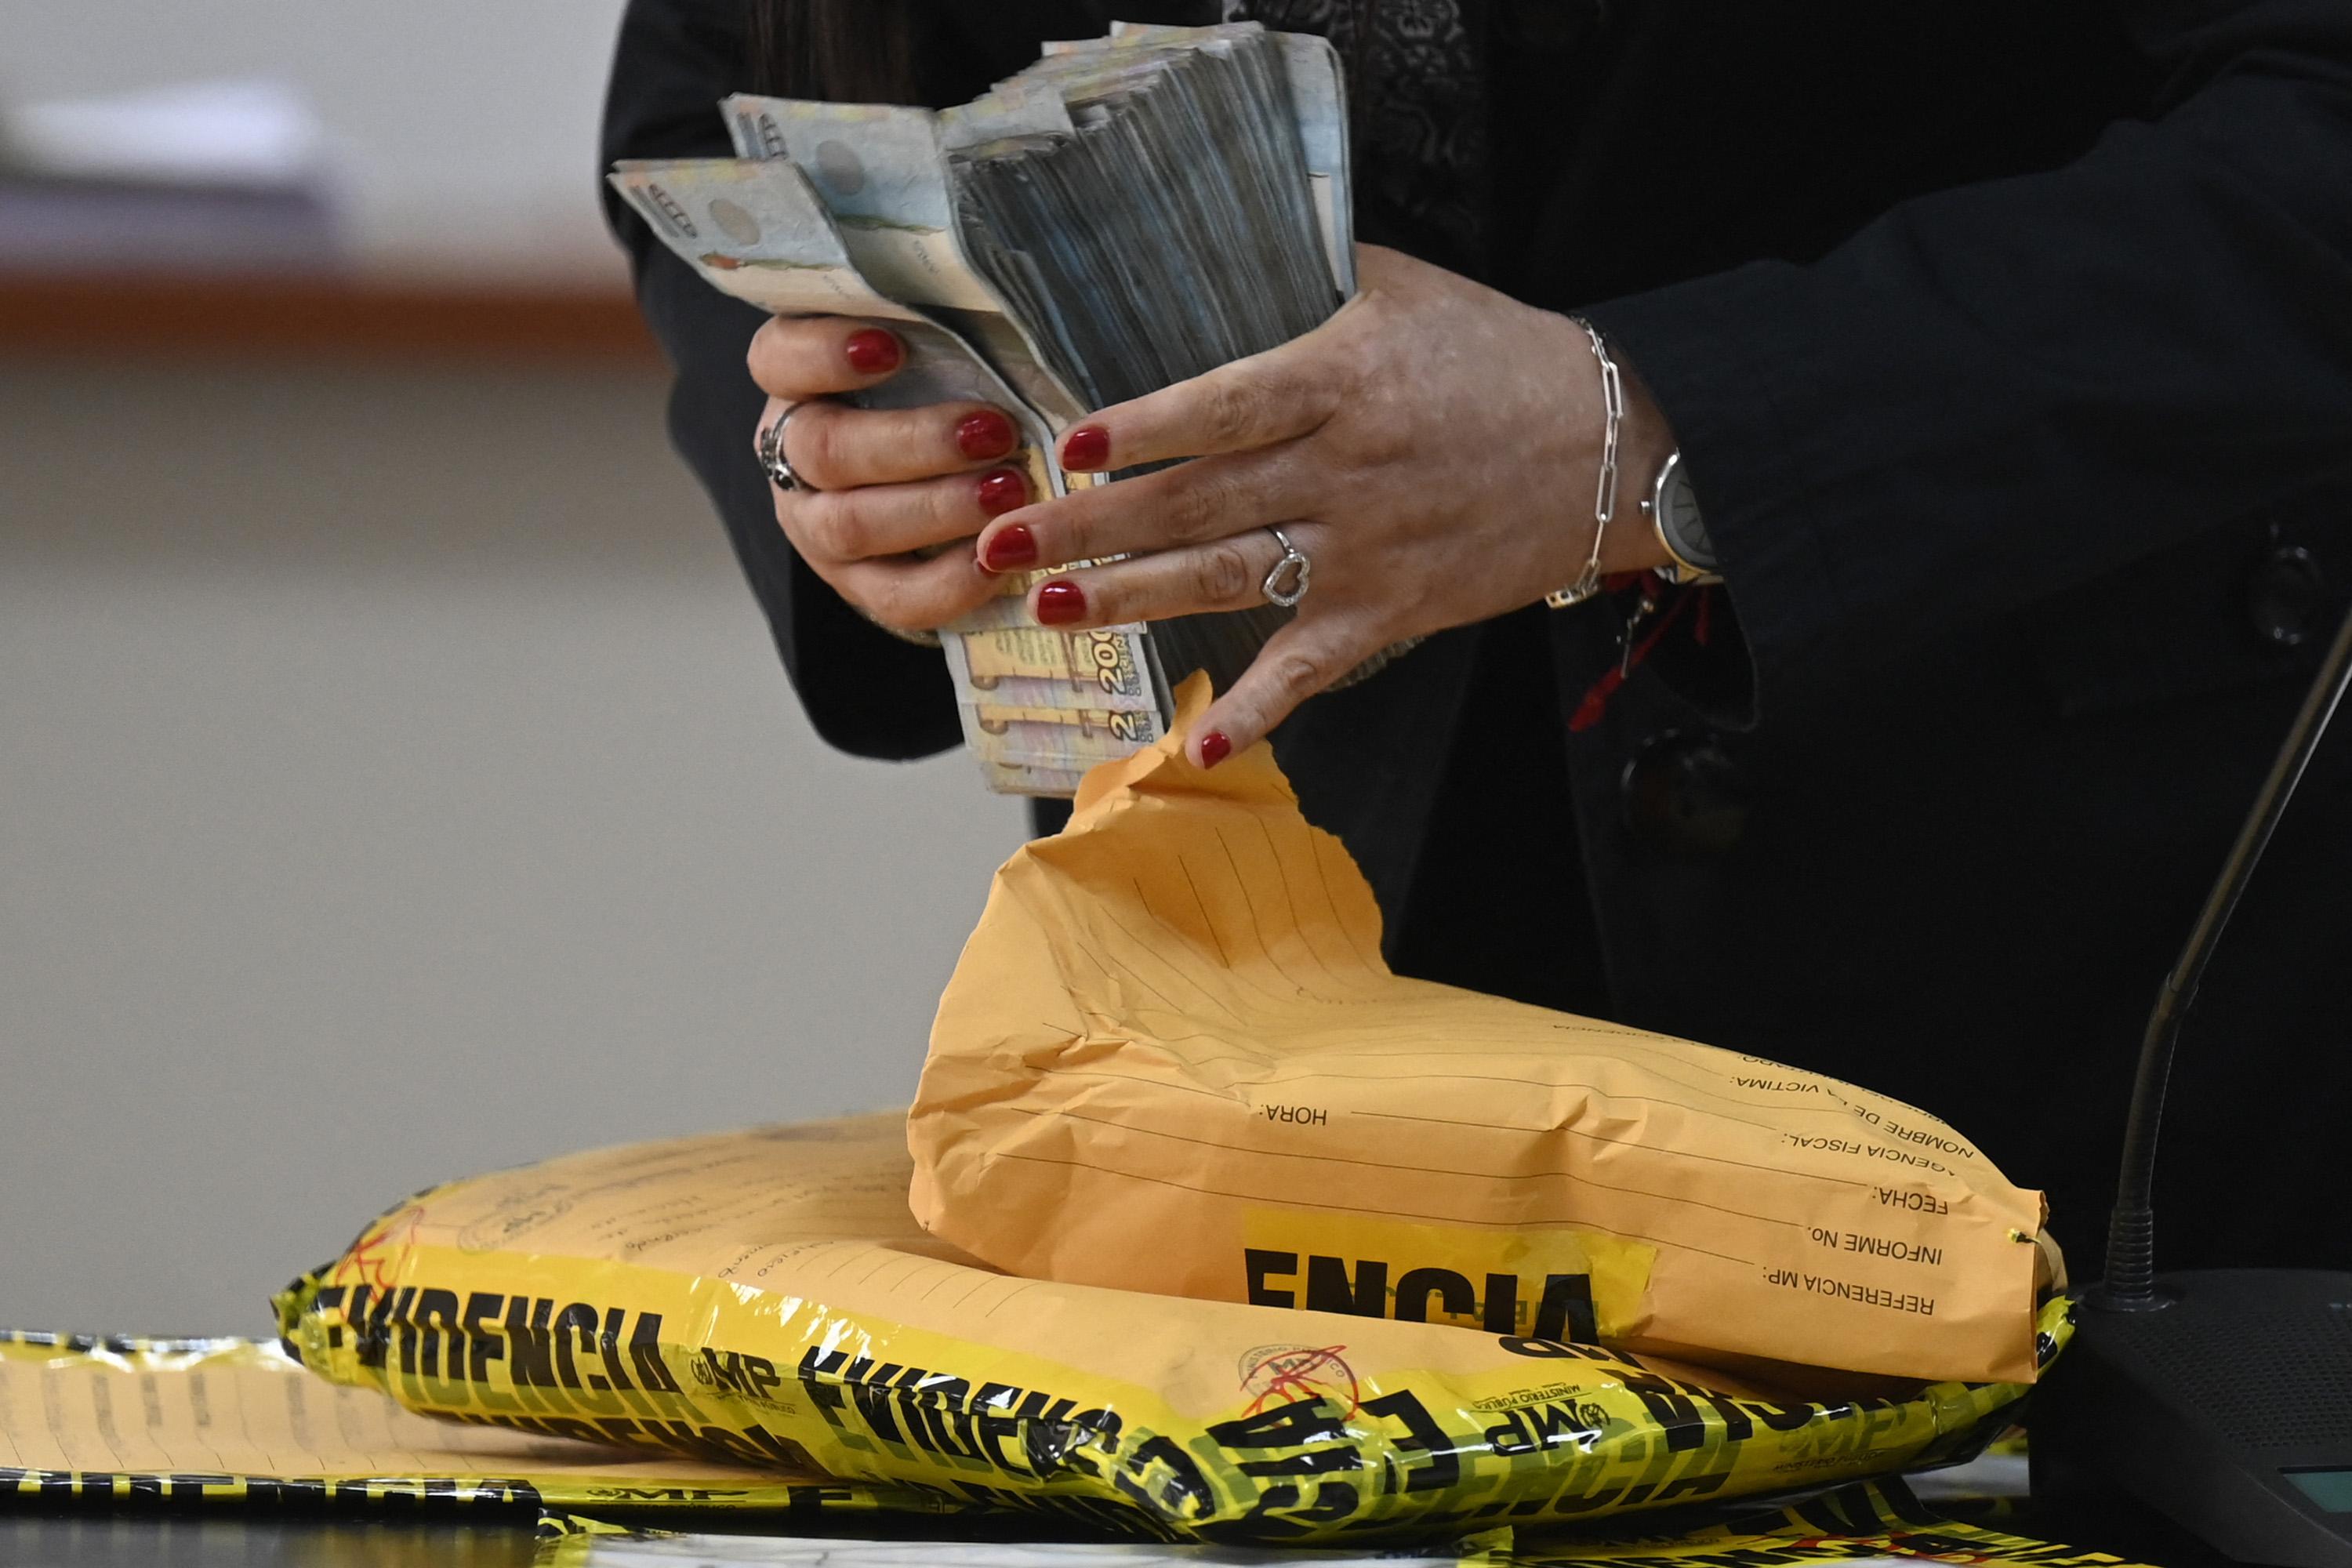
(1433, 449)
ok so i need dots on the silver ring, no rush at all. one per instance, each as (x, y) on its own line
(1294, 566)
(772, 453)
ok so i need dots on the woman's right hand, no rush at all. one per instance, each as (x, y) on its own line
(881, 484)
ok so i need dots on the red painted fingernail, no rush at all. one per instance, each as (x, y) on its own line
(1215, 748)
(1003, 489)
(1085, 449)
(1060, 602)
(1012, 546)
(986, 434)
(871, 352)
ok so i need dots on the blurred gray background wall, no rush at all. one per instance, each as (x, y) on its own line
(462, 134)
(397, 779)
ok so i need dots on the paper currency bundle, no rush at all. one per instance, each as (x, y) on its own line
(1126, 214)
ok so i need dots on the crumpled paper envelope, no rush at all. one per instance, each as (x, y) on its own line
(1171, 1060)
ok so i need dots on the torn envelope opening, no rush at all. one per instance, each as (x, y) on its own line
(1171, 1060)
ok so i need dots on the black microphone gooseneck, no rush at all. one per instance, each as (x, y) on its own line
(2130, 1284)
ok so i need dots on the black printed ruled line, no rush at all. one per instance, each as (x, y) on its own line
(1371, 961)
(1170, 1036)
(744, 1201)
(258, 1454)
(1650, 1039)
(52, 1392)
(1356, 1042)
(388, 1421)
(949, 1273)
(1482, 1126)
(1417, 1022)
(1544, 1083)
(984, 1281)
(1126, 1031)
(1137, 1029)
(1622, 1143)
(1118, 1041)
(263, 1458)
(1353, 1045)
(1376, 1213)
(1224, 965)
(1367, 969)
(102, 1420)
(1257, 930)
(846, 1254)
(360, 1446)
(1118, 969)
(803, 1235)
(1208, 920)
(887, 1259)
(1487, 1077)
(1415, 1170)
(1415, 1018)
(1644, 1049)
(916, 1262)
(297, 1417)
(1185, 943)
(8, 1386)
(393, 1429)
(352, 1442)
(1151, 1083)
(1584, 1025)
(1010, 1296)
(1289, 903)
(61, 1389)
(1359, 972)
(184, 1390)
(1112, 970)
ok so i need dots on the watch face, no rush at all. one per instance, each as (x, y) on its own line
(1679, 520)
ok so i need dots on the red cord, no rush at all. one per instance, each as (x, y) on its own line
(1596, 698)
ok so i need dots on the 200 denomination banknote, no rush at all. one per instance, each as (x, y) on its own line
(1125, 213)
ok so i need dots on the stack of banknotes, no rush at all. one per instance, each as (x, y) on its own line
(1128, 212)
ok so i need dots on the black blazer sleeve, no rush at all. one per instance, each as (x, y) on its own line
(864, 691)
(1996, 392)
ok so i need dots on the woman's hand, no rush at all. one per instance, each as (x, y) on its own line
(1433, 449)
(881, 483)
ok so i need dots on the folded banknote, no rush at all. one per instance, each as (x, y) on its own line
(1126, 213)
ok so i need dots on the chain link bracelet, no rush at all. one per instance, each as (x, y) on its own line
(1604, 496)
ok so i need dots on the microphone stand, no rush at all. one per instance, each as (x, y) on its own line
(2220, 1398)
(2130, 1285)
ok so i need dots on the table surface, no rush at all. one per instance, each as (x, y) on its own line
(105, 1540)
(101, 1540)
(33, 1536)
(29, 1539)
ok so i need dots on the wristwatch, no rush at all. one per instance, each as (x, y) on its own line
(1673, 509)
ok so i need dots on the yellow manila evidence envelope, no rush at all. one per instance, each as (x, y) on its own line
(1171, 1060)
